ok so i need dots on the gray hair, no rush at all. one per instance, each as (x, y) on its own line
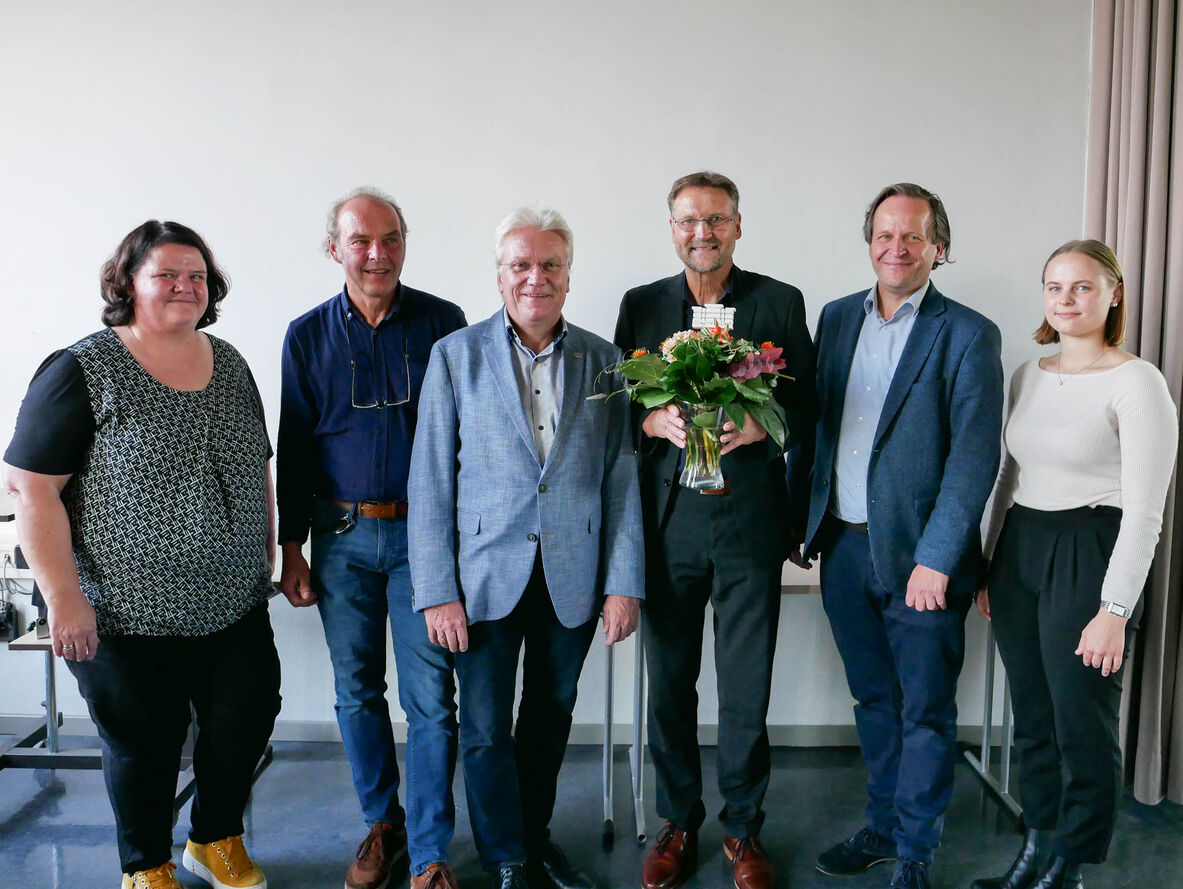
(332, 230)
(545, 220)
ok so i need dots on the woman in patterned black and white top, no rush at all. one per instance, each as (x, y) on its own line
(1090, 445)
(140, 468)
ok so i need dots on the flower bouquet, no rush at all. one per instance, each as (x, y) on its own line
(712, 376)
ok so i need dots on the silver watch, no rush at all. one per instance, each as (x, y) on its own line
(1114, 608)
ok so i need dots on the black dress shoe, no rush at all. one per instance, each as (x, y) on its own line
(1060, 874)
(1024, 870)
(551, 869)
(510, 876)
(856, 854)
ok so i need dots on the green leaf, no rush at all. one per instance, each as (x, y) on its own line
(653, 398)
(643, 369)
(735, 410)
(772, 417)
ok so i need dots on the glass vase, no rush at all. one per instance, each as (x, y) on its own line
(704, 425)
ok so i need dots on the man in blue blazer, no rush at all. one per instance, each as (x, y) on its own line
(524, 524)
(907, 448)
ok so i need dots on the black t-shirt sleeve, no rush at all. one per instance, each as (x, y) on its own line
(55, 426)
(258, 401)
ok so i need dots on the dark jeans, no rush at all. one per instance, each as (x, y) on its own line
(902, 667)
(1045, 587)
(510, 774)
(711, 550)
(363, 579)
(143, 691)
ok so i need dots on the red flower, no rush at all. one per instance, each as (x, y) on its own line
(766, 362)
(638, 353)
(766, 345)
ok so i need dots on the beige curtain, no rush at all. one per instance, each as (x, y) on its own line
(1134, 202)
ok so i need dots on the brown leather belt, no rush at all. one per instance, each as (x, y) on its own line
(395, 509)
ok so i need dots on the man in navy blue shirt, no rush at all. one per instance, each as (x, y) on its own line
(352, 372)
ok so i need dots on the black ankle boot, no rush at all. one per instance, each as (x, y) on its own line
(1024, 871)
(1060, 874)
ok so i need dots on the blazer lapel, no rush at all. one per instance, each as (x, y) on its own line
(496, 350)
(574, 352)
(849, 327)
(928, 324)
(745, 309)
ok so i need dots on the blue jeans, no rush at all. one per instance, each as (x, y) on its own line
(361, 576)
(902, 667)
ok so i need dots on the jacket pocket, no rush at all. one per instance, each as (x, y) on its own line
(468, 522)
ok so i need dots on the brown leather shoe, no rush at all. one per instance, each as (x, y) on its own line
(671, 860)
(383, 846)
(436, 875)
(751, 866)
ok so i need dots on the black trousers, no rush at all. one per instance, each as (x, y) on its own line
(1045, 587)
(511, 773)
(712, 549)
(141, 692)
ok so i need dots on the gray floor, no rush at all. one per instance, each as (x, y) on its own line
(56, 829)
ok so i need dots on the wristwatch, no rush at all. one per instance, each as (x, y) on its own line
(1114, 608)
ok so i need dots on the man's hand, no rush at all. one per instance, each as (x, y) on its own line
(1102, 644)
(796, 535)
(666, 423)
(926, 589)
(295, 580)
(982, 600)
(447, 626)
(732, 439)
(621, 614)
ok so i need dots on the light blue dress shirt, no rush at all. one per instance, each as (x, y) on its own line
(880, 345)
(540, 384)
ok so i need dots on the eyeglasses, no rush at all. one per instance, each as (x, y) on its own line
(353, 375)
(549, 268)
(714, 223)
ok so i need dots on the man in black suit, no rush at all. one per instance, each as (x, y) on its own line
(725, 546)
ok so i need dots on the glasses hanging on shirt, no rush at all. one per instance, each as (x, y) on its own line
(376, 402)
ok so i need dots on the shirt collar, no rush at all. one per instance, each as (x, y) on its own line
(513, 334)
(910, 306)
(348, 309)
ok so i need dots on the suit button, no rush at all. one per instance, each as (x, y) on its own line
(669, 482)
(533, 538)
(542, 489)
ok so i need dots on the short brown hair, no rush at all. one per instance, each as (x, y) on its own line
(940, 233)
(704, 179)
(1107, 259)
(117, 272)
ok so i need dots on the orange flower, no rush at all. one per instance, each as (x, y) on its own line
(694, 334)
(638, 353)
(766, 345)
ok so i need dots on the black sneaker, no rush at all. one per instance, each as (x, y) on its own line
(856, 854)
(910, 874)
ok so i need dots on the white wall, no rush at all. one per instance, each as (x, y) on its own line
(245, 120)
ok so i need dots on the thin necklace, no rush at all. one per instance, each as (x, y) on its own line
(1059, 358)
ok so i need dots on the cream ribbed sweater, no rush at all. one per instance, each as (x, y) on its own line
(1100, 439)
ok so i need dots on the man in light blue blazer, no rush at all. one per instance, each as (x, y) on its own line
(907, 447)
(524, 525)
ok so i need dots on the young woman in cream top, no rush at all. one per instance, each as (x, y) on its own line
(1090, 437)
